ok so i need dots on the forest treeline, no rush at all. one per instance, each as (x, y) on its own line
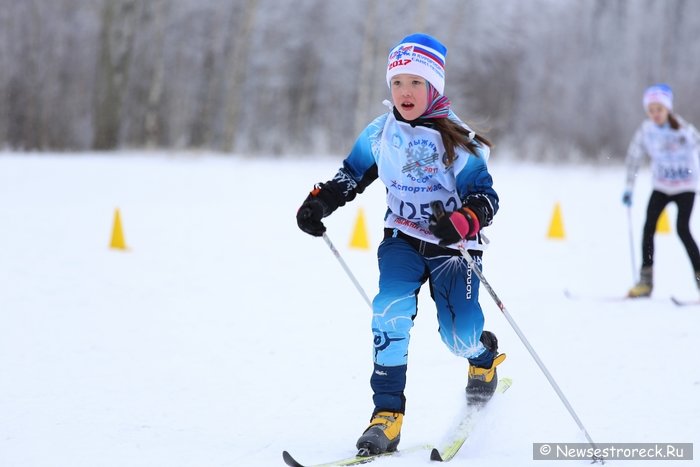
(545, 77)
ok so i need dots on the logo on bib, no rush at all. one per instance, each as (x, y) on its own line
(421, 155)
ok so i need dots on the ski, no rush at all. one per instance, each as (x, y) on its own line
(354, 460)
(465, 427)
(679, 302)
(458, 438)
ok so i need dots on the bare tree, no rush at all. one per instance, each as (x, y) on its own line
(116, 40)
(152, 127)
(368, 57)
(236, 73)
(26, 122)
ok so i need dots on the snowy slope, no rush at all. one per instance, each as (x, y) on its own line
(224, 335)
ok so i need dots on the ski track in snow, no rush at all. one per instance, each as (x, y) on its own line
(225, 335)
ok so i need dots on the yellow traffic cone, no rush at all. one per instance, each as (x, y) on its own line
(663, 225)
(359, 237)
(556, 226)
(117, 241)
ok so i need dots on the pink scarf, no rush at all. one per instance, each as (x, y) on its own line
(439, 106)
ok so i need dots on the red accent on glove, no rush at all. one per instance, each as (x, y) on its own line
(465, 222)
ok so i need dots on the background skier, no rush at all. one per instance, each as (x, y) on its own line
(672, 144)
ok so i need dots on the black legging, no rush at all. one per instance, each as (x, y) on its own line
(657, 203)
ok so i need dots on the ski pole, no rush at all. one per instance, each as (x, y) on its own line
(528, 346)
(347, 269)
(631, 236)
(438, 212)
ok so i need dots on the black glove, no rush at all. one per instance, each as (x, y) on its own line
(309, 216)
(451, 227)
(627, 198)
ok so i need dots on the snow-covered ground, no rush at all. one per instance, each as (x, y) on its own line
(225, 335)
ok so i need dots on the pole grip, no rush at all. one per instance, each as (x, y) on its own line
(438, 209)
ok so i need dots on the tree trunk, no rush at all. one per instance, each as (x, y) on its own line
(364, 80)
(236, 73)
(152, 129)
(116, 40)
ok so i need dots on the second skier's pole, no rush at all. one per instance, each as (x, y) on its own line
(631, 236)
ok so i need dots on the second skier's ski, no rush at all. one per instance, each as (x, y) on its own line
(679, 302)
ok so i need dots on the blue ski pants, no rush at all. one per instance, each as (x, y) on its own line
(455, 290)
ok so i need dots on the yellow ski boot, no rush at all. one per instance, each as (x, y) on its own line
(482, 382)
(645, 285)
(382, 435)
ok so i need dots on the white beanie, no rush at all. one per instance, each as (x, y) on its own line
(421, 55)
(660, 94)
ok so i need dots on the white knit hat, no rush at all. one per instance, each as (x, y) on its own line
(421, 55)
(660, 94)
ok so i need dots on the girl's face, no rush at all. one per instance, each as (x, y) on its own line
(410, 95)
(657, 113)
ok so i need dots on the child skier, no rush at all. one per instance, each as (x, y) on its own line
(423, 153)
(672, 144)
